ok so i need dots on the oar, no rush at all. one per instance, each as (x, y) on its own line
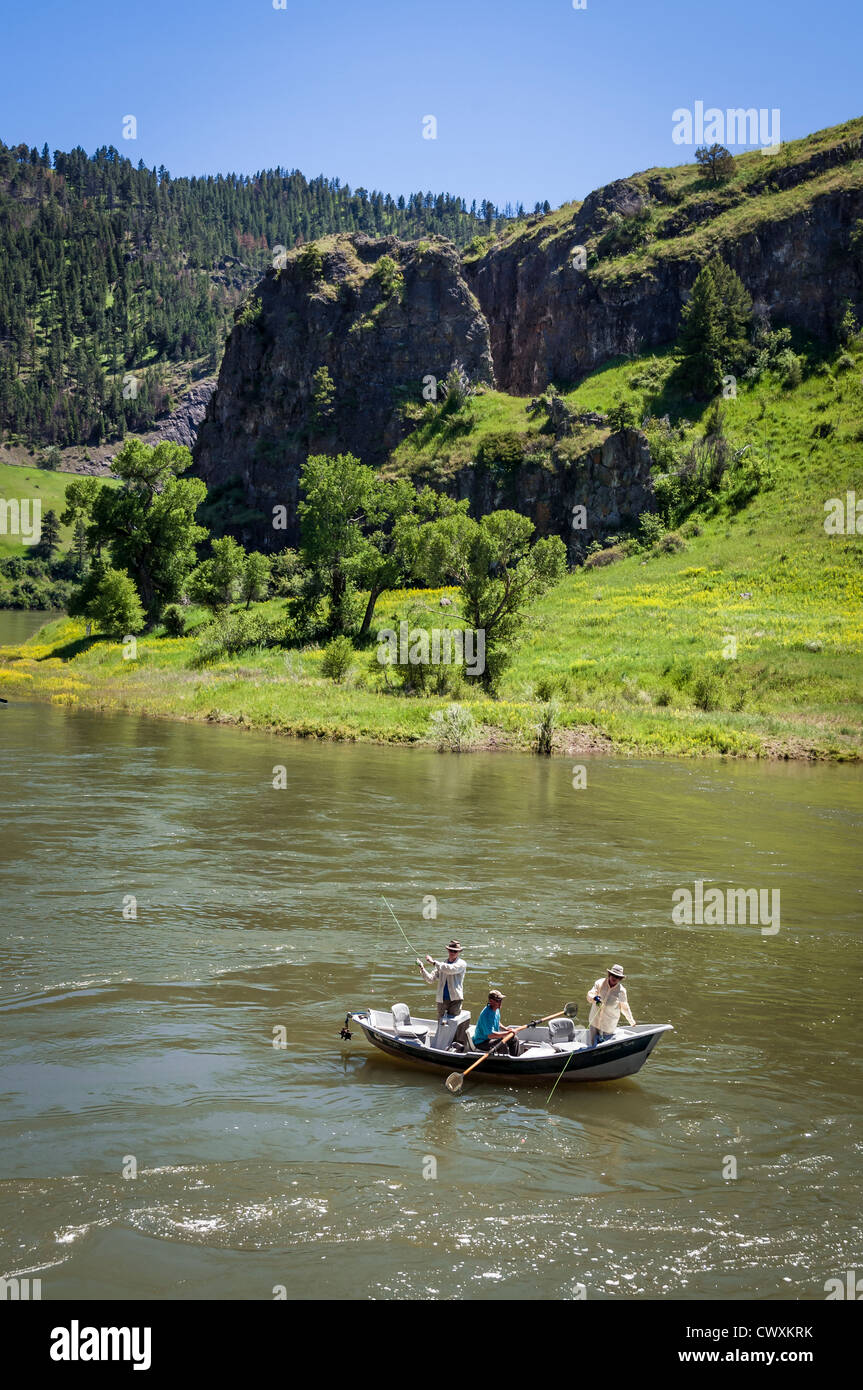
(455, 1080)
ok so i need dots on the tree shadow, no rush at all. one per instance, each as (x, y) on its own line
(676, 400)
(75, 648)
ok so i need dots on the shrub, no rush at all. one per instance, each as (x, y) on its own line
(311, 262)
(651, 527)
(116, 606)
(749, 476)
(236, 632)
(790, 368)
(454, 727)
(479, 245)
(323, 397)
(600, 558)
(456, 390)
(666, 490)
(650, 377)
(338, 658)
(110, 598)
(544, 744)
(622, 416)
(447, 680)
(174, 620)
(250, 312)
(625, 234)
(545, 688)
(671, 543)
(707, 691)
(287, 573)
(51, 459)
(769, 347)
(848, 326)
(215, 582)
(389, 276)
(700, 475)
(502, 451)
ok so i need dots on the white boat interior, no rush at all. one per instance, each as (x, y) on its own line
(559, 1035)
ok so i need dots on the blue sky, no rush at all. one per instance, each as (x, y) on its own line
(533, 98)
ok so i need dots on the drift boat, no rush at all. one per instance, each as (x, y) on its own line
(548, 1050)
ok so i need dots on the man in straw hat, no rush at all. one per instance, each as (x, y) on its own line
(609, 1001)
(449, 974)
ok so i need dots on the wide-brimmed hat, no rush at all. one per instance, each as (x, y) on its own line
(496, 994)
(454, 945)
(617, 970)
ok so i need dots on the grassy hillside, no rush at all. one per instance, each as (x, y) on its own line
(32, 483)
(637, 652)
(686, 216)
(108, 270)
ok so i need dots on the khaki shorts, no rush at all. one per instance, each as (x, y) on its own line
(449, 1006)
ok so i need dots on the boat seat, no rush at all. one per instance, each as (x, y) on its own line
(561, 1030)
(403, 1028)
(449, 1026)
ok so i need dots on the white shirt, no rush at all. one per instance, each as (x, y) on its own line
(606, 1016)
(449, 973)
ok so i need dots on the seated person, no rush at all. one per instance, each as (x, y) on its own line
(489, 1029)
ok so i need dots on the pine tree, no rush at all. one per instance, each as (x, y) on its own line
(701, 338)
(49, 539)
(735, 311)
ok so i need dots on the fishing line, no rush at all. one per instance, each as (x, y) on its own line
(563, 1069)
(399, 925)
(378, 973)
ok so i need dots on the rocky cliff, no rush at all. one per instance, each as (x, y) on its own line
(326, 357)
(589, 498)
(333, 352)
(565, 296)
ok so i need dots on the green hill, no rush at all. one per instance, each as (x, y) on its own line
(738, 632)
(32, 483)
(108, 270)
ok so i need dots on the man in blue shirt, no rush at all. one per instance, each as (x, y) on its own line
(489, 1030)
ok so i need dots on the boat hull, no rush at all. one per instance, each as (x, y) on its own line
(623, 1055)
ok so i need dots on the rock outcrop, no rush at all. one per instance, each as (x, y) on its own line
(339, 340)
(182, 425)
(589, 498)
(382, 317)
(553, 319)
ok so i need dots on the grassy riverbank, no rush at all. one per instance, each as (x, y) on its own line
(628, 652)
(742, 636)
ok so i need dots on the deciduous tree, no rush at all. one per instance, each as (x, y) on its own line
(500, 572)
(148, 523)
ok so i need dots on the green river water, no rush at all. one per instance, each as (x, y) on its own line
(147, 1043)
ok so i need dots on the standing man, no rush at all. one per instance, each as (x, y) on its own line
(450, 975)
(609, 1001)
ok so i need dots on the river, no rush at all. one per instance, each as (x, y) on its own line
(155, 1144)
